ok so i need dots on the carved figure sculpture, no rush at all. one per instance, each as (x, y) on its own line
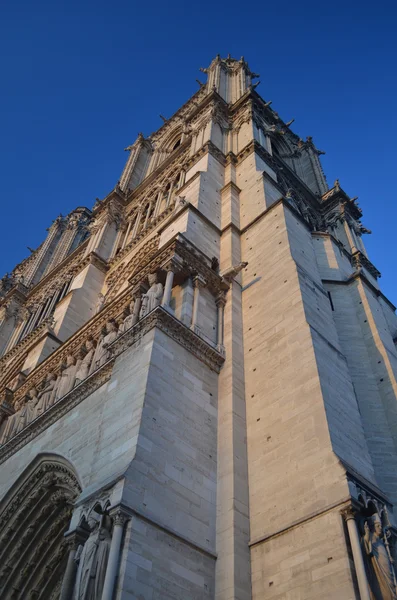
(67, 378)
(153, 295)
(9, 429)
(84, 367)
(46, 395)
(102, 352)
(144, 306)
(99, 304)
(93, 560)
(381, 576)
(129, 319)
(27, 413)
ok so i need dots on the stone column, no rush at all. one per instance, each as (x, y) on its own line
(348, 515)
(119, 519)
(198, 282)
(220, 303)
(169, 195)
(120, 232)
(74, 539)
(168, 288)
(127, 233)
(158, 204)
(146, 221)
(137, 223)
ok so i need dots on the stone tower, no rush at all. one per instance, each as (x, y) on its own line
(198, 377)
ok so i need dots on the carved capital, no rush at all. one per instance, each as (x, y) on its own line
(119, 516)
(349, 512)
(220, 300)
(75, 538)
(139, 289)
(6, 402)
(174, 264)
(199, 281)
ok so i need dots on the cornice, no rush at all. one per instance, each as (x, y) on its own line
(186, 208)
(263, 214)
(176, 330)
(362, 482)
(230, 186)
(360, 275)
(207, 148)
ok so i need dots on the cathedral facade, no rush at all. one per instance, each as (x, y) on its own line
(198, 377)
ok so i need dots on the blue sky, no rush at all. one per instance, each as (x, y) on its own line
(81, 79)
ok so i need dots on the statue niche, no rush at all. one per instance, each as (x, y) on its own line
(153, 296)
(102, 353)
(85, 365)
(92, 558)
(67, 377)
(130, 318)
(46, 396)
(379, 566)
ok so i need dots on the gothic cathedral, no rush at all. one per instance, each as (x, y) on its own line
(198, 377)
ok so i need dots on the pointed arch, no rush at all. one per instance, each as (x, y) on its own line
(34, 515)
(173, 140)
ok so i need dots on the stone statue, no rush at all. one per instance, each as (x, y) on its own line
(99, 304)
(381, 576)
(144, 306)
(129, 318)
(12, 421)
(102, 352)
(67, 378)
(27, 412)
(46, 395)
(153, 296)
(92, 559)
(84, 367)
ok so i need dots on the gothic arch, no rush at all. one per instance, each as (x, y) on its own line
(34, 516)
(281, 147)
(173, 140)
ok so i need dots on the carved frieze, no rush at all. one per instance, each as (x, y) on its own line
(57, 410)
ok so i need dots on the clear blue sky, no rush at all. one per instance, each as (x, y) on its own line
(81, 79)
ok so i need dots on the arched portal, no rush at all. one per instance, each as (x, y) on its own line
(34, 516)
